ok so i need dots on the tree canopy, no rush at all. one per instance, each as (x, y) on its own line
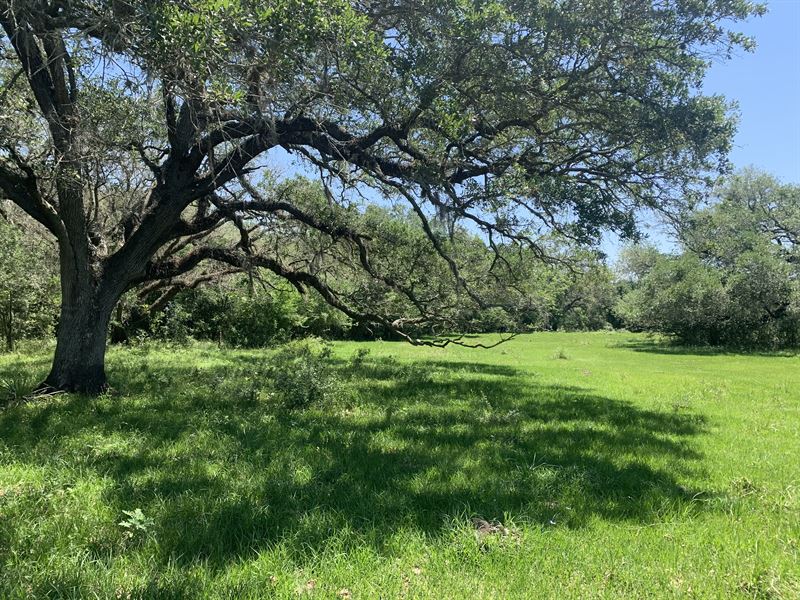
(137, 133)
(737, 281)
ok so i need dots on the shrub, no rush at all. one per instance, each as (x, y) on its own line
(749, 305)
(303, 374)
(736, 281)
(358, 358)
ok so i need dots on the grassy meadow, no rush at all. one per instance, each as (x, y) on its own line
(596, 465)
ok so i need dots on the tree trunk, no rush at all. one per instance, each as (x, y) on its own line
(10, 345)
(79, 361)
(8, 323)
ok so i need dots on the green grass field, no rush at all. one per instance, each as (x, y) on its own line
(603, 465)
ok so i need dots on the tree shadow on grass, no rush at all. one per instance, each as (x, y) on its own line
(676, 349)
(419, 445)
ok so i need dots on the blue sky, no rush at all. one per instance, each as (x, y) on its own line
(766, 84)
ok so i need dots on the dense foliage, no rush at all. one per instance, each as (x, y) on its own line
(28, 284)
(737, 281)
(257, 309)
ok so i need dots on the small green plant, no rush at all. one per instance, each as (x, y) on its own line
(560, 354)
(14, 389)
(359, 357)
(302, 374)
(135, 523)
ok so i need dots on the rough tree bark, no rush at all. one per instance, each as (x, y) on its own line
(79, 360)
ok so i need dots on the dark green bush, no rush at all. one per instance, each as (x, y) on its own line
(303, 374)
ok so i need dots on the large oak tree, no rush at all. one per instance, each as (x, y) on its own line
(136, 133)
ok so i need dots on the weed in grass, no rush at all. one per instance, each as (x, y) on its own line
(358, 358)
(136, 524)
(15, 388)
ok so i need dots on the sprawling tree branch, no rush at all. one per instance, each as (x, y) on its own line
(501, 123)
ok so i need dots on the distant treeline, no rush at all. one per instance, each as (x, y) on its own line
(735, 281)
